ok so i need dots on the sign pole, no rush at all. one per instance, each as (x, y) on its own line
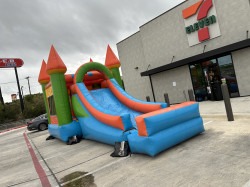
(19, 91)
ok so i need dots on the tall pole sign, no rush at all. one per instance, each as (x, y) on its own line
(10, 62)
(14, 63)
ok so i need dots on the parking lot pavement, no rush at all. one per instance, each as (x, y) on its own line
(218, 157)
(17, 168)
(212, 109)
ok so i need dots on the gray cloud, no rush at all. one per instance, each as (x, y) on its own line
(79, 29)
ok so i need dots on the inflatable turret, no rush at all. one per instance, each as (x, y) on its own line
(56, 69)
(113, 64)
(44, 79)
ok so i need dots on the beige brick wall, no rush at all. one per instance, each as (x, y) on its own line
(241, 60)
(163, 83)
(131, 56)
(164, 37)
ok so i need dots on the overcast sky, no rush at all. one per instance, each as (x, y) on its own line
(79, 30)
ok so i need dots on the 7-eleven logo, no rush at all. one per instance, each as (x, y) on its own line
(201, 22)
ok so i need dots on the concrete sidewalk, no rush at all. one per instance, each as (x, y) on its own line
(216, 109)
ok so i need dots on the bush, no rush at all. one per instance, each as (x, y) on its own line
(33, 107)
(29, 98)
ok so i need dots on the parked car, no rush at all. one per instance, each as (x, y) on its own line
(39, 123)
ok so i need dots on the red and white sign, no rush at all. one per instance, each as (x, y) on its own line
(201, 22)
(10, 62)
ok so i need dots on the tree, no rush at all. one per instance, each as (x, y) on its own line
(33, 107)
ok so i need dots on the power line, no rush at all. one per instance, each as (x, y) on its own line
(10, 82)
(19, 80)
(31, 85)
(5, 69)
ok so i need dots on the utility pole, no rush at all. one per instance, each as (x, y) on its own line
(19, 91)
(28, 83)
(1, 97)
(22, 93)
(22, 90)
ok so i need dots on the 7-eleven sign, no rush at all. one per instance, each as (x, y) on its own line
(201, 22)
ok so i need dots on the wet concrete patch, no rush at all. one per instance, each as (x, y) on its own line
(78, 178)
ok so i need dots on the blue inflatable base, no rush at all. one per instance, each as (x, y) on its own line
(66, 131)
(93, 129)
(164, 130)
(152, 145)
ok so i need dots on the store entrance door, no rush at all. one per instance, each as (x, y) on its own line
(213, 80)
(206, 78)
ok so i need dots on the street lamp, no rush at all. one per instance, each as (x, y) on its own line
(28, 83)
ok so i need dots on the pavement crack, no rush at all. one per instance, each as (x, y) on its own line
(82, 162)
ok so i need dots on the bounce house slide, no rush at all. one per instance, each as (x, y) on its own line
(103, 107)
(92, 104)
(112, 115)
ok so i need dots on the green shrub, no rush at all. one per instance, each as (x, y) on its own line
(33, 107)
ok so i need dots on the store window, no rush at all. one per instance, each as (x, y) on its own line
(227, 72)
(206, 78)
(199, 82)
(52, 106)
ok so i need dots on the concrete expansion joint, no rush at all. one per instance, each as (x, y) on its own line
(238, 116)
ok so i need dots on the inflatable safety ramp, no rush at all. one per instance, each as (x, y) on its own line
(162, 129)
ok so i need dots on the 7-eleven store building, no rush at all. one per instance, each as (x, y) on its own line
(192, 46)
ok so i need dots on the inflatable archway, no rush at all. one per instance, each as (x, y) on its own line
(91, 66)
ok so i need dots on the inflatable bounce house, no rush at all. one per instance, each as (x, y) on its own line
(92, 104)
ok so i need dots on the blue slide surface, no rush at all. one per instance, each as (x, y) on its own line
(93, 129)
(105, 98)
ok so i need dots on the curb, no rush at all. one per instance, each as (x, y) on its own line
(12, 129)
(224, 116)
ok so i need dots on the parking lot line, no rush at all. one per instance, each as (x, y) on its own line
(12, 129)
(208, 122)
(40, 171)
